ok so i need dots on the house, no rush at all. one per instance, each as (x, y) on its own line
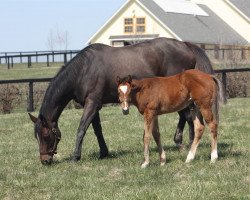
(212, 24)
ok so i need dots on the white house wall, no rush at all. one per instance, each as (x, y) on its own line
(116, 25)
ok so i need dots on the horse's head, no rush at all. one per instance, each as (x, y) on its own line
(48, 136)
(124, 92)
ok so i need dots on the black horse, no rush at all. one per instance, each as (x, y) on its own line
(90, 79)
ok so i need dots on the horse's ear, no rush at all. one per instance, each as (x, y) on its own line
(118, 80)
(33, 118)
(129, 79)
(44, 121)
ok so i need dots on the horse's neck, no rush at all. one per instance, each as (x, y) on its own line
(55, 100)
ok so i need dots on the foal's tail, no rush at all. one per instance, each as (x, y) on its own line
(220, 98)
(202, 61)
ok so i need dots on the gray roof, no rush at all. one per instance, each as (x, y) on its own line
(242, 5)
(198, 29)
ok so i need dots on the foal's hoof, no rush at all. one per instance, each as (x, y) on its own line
(190, 157)
(144, 165)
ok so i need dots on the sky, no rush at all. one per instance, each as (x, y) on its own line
(33, 25)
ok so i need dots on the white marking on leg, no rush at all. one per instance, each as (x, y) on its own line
(144, 165)
(163, 158)
(214, 156)
(123, 88)
(190, 157)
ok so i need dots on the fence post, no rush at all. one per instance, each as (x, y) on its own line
(53, 56)
(47, 60)
(12, 62)
(8, 62)
(21, 58)
(224, 81)
(29, 61)
(36, 57)
(30, 98)
(65, 58)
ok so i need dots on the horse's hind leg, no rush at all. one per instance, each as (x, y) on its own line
(198, 130)
(184, 116)
(213, 126)
(96, 123)
(157, 138)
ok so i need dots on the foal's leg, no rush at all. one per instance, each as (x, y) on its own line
(96, 123)
(157, 138)
(198, 129)
(148, 128)
(213, 126)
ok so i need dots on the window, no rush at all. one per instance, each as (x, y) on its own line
(140, 25)
(135, 25)
(128, 25)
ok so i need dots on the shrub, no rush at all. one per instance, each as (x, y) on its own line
(9, 96)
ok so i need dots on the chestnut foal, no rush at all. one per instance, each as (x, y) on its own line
(160, 95)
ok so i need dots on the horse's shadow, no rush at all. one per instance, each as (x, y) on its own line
(225, 151)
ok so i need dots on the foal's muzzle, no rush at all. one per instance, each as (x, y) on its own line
(125, 107)
(125, 112)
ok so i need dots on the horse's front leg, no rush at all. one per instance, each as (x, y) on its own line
(96, 123)
(90, 109)
(148, 129)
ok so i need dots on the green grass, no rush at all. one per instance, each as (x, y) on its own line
(120, 177)
(21, 71)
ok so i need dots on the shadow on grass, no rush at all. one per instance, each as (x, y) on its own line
(224, 151)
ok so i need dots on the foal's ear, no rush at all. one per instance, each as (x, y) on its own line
(118, 80)
(129, 79)
(33, 118)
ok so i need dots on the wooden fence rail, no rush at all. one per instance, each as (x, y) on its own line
(30, 103)
(8, 57)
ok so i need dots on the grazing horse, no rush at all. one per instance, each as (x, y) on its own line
(160, 95)
(90, 79)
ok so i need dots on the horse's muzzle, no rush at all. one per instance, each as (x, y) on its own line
(125, 112)
(47, 160)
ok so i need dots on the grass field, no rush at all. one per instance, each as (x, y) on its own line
(21, 71)
(120, 177)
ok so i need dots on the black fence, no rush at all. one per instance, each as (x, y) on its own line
(30, 82)
(10, 58)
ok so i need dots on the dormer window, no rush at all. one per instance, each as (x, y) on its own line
(134, 25)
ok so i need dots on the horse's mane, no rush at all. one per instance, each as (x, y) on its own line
(67, 77)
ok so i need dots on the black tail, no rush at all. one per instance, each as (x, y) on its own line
(202, 61)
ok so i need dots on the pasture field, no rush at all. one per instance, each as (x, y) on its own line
(21, 71)
(119, 176)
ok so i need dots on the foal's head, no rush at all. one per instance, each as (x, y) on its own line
(124, 92)
(48, 136)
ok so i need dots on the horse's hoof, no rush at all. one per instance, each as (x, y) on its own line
(75, 158)
(181, 147)
(144, 165)
(104, 155)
